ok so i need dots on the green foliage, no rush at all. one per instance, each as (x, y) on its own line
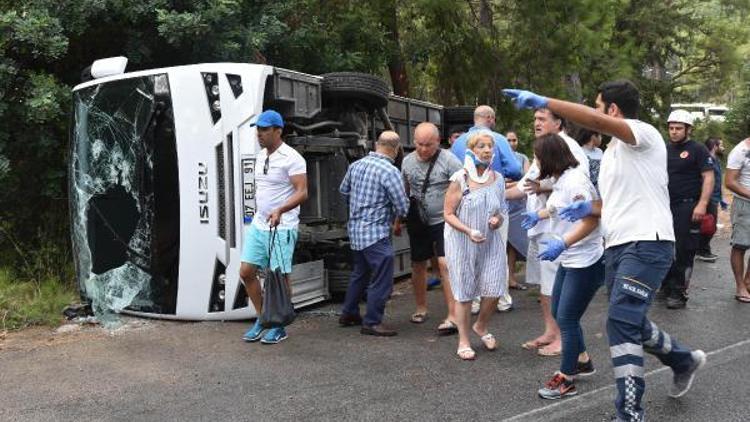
(738, 119)
(45, 99)
(705, 129)
(33, 34)
(28, 303)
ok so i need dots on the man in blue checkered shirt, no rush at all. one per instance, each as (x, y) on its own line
(376, 196)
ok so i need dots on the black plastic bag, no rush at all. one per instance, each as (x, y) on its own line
(278, 310)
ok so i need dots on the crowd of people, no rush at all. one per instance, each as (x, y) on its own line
(631, 218)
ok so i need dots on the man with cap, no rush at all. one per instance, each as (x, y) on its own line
(691, 182)
(280, 188)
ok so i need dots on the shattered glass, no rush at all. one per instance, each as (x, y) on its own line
(122, 171)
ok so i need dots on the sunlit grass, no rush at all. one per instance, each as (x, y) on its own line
(25, 303)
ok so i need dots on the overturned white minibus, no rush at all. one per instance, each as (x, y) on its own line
(162, 184)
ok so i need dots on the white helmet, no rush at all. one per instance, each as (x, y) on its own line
(681, 116)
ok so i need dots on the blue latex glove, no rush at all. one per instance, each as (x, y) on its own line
(555, 247)
(530, 219)
(723, 204)
(526, 99)
(575, 211)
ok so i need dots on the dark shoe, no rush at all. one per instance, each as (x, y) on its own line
(447, 328)
(585, 369)
(557, 388)
(346, 320)
(682, 382)
(706, 257)
(377, 330)
(676, 302)
(662, 295)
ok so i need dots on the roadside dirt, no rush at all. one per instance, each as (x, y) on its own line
(33, 338)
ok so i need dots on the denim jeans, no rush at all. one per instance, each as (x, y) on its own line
(373, 271)
(574, 288)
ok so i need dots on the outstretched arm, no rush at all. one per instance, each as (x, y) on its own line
(592, 119)
(577, 113)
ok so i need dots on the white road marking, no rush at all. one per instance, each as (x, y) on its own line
(568, 401)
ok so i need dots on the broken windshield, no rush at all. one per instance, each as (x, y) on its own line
(124, 196)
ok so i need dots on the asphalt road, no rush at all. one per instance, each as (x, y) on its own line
(158, 370)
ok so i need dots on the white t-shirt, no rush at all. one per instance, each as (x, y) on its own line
(272, 190)
(633, 185)
(593, 153)
(573, 185)
(738, 160)
(578, 153)
(536, 202)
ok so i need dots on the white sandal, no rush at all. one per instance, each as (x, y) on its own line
(489, 341)
(466, 353)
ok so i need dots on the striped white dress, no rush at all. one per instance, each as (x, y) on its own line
(477, 269)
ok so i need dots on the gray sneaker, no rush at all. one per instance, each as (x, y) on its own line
(706, 257)
(681, 382)
(676, 302)
(558, 387)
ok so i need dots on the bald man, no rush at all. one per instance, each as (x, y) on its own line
(376, 196)
(504, 161)
(427, 171)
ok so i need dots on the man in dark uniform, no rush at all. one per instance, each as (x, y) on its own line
(691, 181)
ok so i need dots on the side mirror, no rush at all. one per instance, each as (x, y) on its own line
(108, 67)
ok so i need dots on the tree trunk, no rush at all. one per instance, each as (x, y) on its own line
(573, 87)
(490, 95)
(485, 14)
(396, 65)
(399, 78)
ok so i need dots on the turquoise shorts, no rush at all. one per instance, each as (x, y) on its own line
(257, 241)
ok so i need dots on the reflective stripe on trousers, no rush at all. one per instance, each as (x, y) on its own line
(634, 273)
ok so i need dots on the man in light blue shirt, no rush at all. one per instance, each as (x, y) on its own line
(505, 161)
